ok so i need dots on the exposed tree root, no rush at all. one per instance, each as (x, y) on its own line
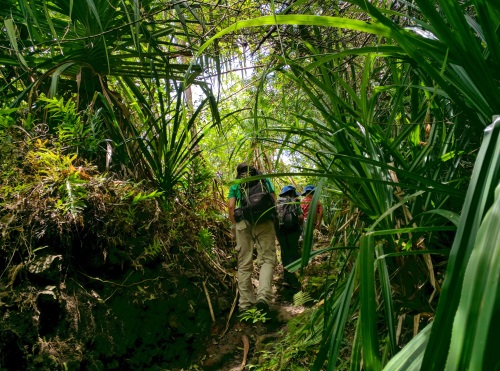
(246, 347)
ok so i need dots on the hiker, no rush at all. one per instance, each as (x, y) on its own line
(253, 225)
(288, 230)
(306, 203)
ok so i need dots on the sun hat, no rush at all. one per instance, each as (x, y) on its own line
(287, 189)
(244, 168)
(308, 189)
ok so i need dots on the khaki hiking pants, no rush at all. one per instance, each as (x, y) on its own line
(262, 235)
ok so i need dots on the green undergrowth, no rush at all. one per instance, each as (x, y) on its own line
(100, 271)
(294, 351)
(297, 347)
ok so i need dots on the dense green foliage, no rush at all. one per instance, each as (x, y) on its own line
(383, 105)
(393, 125)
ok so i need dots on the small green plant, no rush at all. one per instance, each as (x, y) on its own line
(72, 195)
(153, 250)
(293, 349)
(72, 129)
(53, 168)
(206, 238)
(253, 315)
(141, 197)
(301, 298)
(6, 119)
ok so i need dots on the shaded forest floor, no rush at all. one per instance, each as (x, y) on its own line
(227, 350)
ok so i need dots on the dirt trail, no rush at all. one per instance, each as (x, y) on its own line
(242, 343)
(235, 344)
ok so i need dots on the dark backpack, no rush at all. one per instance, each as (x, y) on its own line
(256, 201)
(288, 213)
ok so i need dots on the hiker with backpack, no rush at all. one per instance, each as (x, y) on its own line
(288, 230)
(252, 211)
(306, 204)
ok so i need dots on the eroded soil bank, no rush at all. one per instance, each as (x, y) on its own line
(154, 318)
(114, 277)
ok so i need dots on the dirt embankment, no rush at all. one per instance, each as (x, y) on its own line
(158, 316)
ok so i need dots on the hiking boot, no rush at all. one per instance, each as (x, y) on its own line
(291, 282)
(262, 306)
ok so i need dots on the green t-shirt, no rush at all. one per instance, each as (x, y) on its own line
(235, 192)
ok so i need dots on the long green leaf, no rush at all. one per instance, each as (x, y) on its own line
(487, 257)
(478, 307)
(11, 33)
(335, 326)
(410, 357)
(368, 315)
(306, 20)
(385, 285)
(486, 177)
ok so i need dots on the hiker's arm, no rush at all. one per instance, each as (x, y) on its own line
(231, 205)
(270, 189)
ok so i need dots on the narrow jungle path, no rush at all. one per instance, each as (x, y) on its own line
(243, 341)
(236, 344)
